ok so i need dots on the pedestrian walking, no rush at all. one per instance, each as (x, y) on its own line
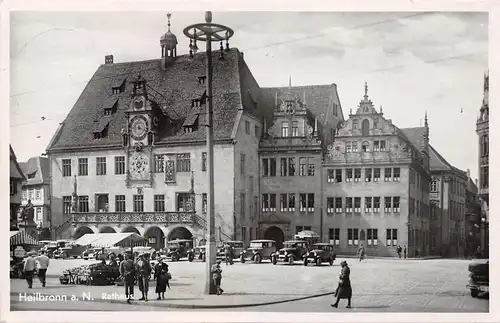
(361, 253)
(404, 251)
(399, 250)
(127, 271)
(43, 265)
(143, 274)
(162, 277)
(344, 289)
(228, 255)
(29, 268)
(217, 276)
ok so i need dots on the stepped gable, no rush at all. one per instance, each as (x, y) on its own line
(178, 85)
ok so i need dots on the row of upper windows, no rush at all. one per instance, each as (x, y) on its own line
(353, 236)
(285, 129)
(378, 145)
(287, 202)
(287, 166)
(456, 187)
(334, 205)
(32, 194)
(256, 129)
(183, 203)
(354, 175)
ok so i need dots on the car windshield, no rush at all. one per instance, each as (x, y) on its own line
(256, 244)
(237, 244)
(173, 245)
(321, 247)
(292, 244)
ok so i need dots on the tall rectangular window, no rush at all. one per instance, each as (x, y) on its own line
(265, 202)
(357, 174)
(303, 202)
(330, 175)
(357, 205)
(283, 166)
(395, 204)
(334, 236)
(265, 167)
(291, 166)
(348, 147)
(338, 176)
(243, 205)
(376, 204)
(183, 202)
(204, 203)
(387, 174)
(376, 174)
(159, 164)
(338, 205)
(66, 167)
(330, 205)
(310, 166)
(83, 203)
(272, 167)
(284, 129)
(272, 202)
(243, 233)
(348, 204)
(310, 202)
(382, 145)
(83, 166)
(368, 204)
(392, 237)
(396, 174)
(352, 237)
(376, 145)
(203, 161)
(67, 204)
(295, 128)
(302, 166)
(100, 165)
(355, 146)
(38, 194)
(119, 165)
(120, 203)
(247, 127)
(284, 202)
(388, 204)
(368, 174)
(139, 203)
(184, 163)
(159, 201)
(291, 202)
(372, 237)
(242, 163)
(348, 175)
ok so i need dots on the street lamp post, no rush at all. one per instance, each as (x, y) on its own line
(209, 32)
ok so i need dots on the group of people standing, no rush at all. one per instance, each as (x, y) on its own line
(30, 267)
(140, 270)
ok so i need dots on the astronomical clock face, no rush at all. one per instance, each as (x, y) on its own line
(139, 165)
(139, 127)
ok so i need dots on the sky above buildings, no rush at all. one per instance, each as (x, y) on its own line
(412, 62)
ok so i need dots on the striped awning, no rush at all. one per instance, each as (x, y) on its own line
(22, 238)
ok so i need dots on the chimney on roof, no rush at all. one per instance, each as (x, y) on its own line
(108, 59)
(468, 173)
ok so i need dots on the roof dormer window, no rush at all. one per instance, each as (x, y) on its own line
(101, 128)
(32, 175)
(191, 123)
(118, 85)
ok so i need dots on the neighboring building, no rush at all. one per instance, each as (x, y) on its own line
(472, 217)
(291, 154)
(448, 197)
(36, 188)
(16, 180)
(375, 185)
(133, 149)
(482, 130)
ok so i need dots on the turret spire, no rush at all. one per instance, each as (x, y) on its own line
(366, 90)
(168, 18)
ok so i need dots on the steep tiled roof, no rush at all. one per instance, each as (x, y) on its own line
(173, 89)
(37, 166)
(320, 100)
(415, 136)
(15, 170)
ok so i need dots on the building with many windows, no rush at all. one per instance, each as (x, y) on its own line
(376, 185)
(131, 154)
(448, 204)
(16, 180)
(36, 190)
(291, 154)
(483, 132)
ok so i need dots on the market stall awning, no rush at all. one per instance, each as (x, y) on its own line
(103, 240)
(22, 238)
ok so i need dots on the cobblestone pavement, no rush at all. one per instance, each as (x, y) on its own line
(378, 285)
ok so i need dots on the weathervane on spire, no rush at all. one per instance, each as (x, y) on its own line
(366, 90)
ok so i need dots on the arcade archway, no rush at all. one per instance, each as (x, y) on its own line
(131, 229)
(81, 231)
(107, 230)
(276, 234)
(180, 233)
(156, 237)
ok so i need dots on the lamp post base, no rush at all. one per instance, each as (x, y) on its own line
(211, 258)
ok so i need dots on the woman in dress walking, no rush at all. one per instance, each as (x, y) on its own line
(162, 277)
(344, 289)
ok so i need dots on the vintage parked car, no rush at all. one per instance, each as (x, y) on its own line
(237, 246)
(71, 251)
(90, 253)
(292, 250)
(259, 250)
(179, 248)
(319, 253)
(479, 278)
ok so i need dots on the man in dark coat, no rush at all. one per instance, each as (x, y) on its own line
(404, 251)
(398, 250)
(162, 277)
(344, 289)
(143, 274)
(127, 271)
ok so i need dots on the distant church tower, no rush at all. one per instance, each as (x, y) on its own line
(168, 43)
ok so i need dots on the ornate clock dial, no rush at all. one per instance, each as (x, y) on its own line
(139, 164)
(139, 127)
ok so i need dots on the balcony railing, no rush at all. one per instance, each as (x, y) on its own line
(136, 217)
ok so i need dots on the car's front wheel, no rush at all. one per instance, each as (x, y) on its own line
(257, 259)
(242, 259)
(318, 261)
(474, 293)
(291, 260)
